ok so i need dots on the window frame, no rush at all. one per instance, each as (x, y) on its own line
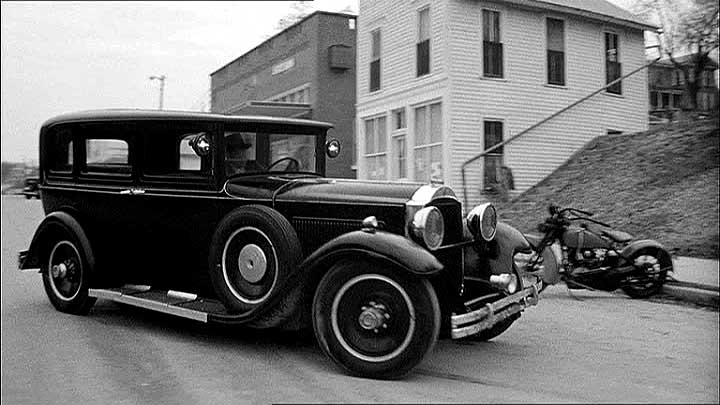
(417, 148)
(486, 186)
(367, 156)
(420, 42)
(615, 89)
(395, 134)
(375, 60)
(548, 72)
(117, 130)
(483, 43)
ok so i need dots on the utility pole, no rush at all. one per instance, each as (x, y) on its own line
(161, 79)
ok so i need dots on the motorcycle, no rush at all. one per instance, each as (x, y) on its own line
(596, 260)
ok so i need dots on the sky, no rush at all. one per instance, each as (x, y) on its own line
(59, 57)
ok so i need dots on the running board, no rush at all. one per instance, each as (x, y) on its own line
(171, 302)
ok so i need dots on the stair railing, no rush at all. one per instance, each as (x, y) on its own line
(542, 121)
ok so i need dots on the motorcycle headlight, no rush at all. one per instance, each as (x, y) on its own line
(428, 226)
(482, 221)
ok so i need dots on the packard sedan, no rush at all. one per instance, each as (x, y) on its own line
(230, 219)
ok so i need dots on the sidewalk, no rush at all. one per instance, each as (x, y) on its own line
(695, 280)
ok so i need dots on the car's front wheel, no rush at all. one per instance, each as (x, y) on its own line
(375, 320)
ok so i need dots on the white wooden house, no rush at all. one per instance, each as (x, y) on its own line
(440, 81)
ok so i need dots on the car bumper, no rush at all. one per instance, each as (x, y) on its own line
(486, 317)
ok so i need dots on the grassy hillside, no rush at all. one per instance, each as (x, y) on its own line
(661, 184)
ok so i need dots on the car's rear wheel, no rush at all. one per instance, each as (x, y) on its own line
(66, 274)
(253, 252)
(374, 320)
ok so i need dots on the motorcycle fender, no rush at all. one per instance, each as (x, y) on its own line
(633, 247)
(30, 259)
(507, 242)
(386, 246)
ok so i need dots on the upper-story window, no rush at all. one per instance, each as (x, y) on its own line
(613, 68)
(423, 44)
(376, 147)
(492, 45)
(375, 60)
(555, 51)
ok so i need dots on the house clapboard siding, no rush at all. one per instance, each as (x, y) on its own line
(519, 99)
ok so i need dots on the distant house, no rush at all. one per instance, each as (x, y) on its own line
(666, 85)
(440, 81)
(304, 71)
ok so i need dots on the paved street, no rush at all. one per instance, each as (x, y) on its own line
(602, 348)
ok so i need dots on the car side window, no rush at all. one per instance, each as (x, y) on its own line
(241, 153)
(107, 155)
(168, 150)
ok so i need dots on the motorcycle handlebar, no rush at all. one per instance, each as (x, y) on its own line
(591, 220)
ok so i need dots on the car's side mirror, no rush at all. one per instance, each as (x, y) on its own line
(200, 143)
(332, 148)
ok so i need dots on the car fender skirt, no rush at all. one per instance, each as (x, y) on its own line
(387, 246)
(53, 222)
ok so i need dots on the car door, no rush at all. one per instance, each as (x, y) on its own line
(106, 180)
(179, 194)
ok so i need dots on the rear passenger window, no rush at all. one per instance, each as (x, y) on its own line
(107, 155)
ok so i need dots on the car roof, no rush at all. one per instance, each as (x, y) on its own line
(139, 114)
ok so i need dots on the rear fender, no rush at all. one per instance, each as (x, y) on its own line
(635, 246)
(54, 222)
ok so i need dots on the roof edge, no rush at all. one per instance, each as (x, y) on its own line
(581, 12)
(301, 21)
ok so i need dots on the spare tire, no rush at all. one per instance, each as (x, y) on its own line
(252, 253)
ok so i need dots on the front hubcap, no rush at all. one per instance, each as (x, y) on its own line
(373, 317)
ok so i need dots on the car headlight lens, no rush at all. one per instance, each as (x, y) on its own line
(428, 226)
(482, 221)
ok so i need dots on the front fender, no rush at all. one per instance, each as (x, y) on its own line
(507, 242)
(396, 249)
(54, 222)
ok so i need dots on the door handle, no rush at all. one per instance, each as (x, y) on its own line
(133, 191)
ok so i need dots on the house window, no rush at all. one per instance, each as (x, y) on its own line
(376, 148)
(555, 51)
(613, 68)
(677, 101)
(665, 100)
(653, 99)
(399, 119)
(493, 135)
(375, 61)
(399, 157)
(492, 47)
(428, 143)
(678, 78)
(423, 44)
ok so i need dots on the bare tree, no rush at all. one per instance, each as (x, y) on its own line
(299, 10)
(686, 27)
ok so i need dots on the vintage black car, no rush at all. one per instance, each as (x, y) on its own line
(31, 189)
(229, 219)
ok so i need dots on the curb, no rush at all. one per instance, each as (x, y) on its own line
(693, 293)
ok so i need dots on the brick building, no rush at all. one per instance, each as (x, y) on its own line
(306, 71)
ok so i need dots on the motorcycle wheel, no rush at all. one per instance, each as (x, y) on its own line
(652, 261)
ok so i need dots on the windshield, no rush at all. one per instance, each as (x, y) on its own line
(255, 152)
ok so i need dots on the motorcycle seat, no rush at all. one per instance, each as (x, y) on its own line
(618, 236)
